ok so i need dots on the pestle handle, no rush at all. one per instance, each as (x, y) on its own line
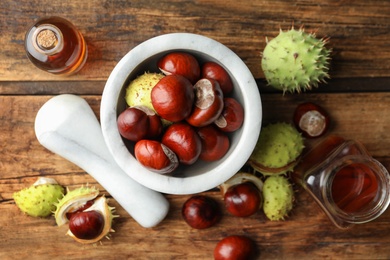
(67, 126)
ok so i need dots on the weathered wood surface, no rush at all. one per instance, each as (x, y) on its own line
(358, 30)
(357, 98)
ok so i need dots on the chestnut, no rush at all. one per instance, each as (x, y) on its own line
(243, 200)
(155, 126)
(311, 119)
(133, 124)
(201, 212)
(242, 194)
(155, 156)
(215, 143)
(183, 140)
(213, 70)
(235, 247)
(232, 115)
(208, 103)
(180, 63)
(172, 98)
(87, 224)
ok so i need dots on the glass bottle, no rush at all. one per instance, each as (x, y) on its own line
(55, 45)
(349, 185)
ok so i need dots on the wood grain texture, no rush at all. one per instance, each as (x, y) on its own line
(307, 234)
(357, 98)
(359, 32)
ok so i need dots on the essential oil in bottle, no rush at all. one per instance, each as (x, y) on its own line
(348, 184)
(53, 44)
(354, 187)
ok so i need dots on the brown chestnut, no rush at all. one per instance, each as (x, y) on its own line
(235, 247)
(215, 143)
(180, 63)
(138, 122)
(156, 156)
(87, 224)
(172, 98)
(231, 117)
(133, 124)
(311, 119)
(208, 103)
(243, 200)
(213, 70)
(183, 140)
(155, 126)
(242, 194)
(201, 212)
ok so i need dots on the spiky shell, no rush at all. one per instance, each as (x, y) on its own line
(239, 178)
(295, 61)
(72, 201)
(139, 89)
(100, 205)
(278, 197)
(39, 200)
(277, 149)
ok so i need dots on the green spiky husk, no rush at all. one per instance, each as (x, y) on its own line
(139, 89)
(295, 61)
(278, 146)
(39, 200)
(72, 200)
(278, 197)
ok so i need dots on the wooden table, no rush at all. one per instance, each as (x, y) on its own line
(357, 98)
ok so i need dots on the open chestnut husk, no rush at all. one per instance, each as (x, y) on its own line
(89, 216)
(242, 194)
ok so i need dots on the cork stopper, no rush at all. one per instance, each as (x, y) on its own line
(47, 39)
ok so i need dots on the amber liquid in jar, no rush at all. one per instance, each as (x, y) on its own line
(54, 45)
(349, 185)
(354, 187)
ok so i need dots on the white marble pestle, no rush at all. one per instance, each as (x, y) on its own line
(67, 126)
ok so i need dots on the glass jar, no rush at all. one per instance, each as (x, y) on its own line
(349, 185)
(54, 45)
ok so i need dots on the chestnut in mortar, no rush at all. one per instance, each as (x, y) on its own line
(180, 63)
(138, 122)
(215, 143)
(232, 115)
(173, 97)
(213, 70)
(156, 156)
(208, 103)
(183, 140)
(132, 124)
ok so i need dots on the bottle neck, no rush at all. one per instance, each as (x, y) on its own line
(48, 39)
